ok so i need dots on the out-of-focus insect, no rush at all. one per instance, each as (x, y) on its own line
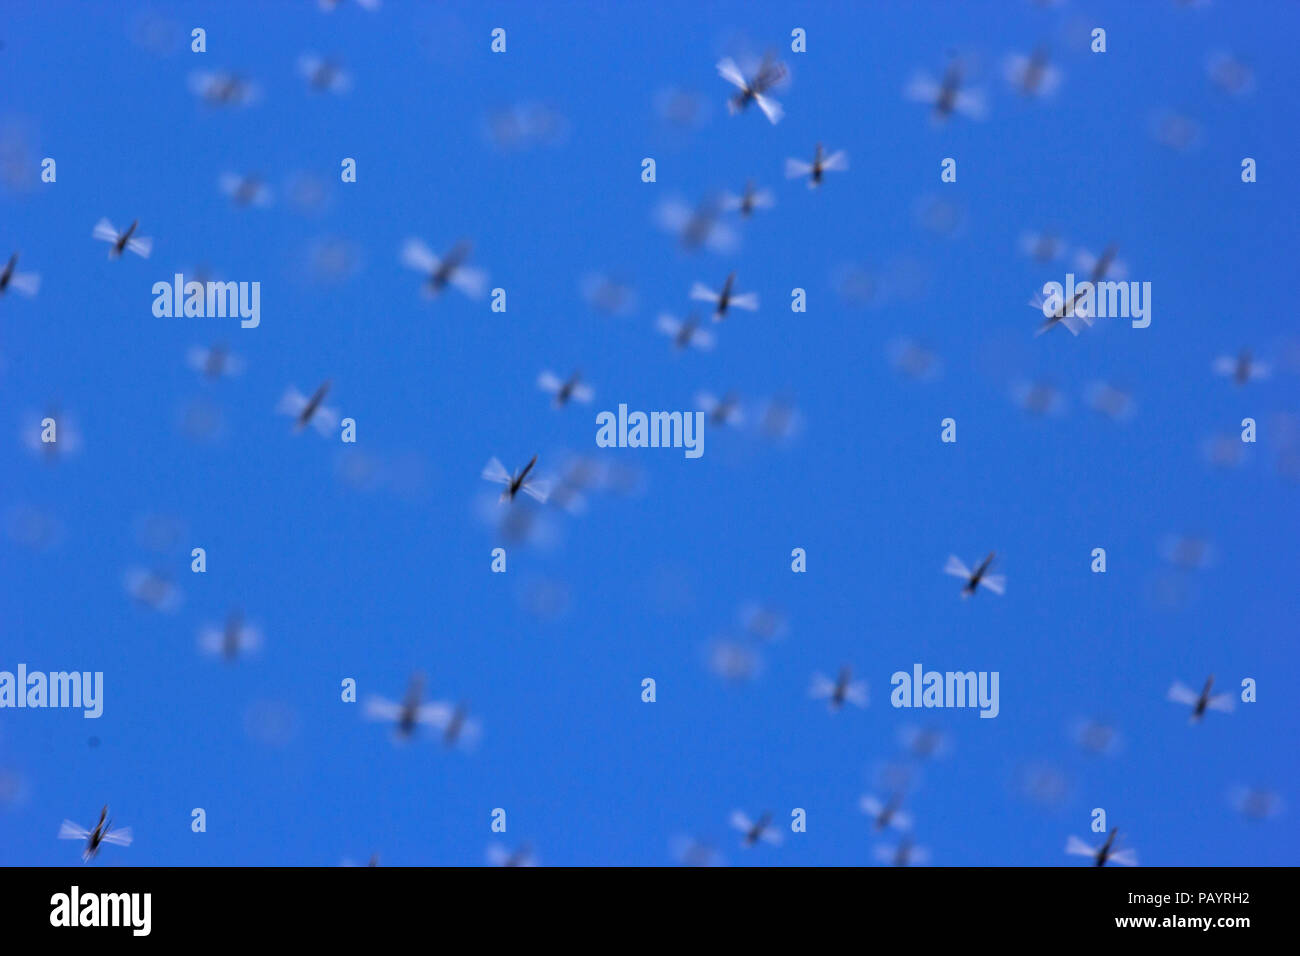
(538, 489)
(685, 333)
(924, 743)
(1175, 130)
(223, 89)
(1039, 398)
(1106, 853)
(721, 411)
(997, 583)
(1108, 265)
(329, 6)
(1042, 246)
(410, 713)
(323, 74)
(119, 241)
(1032, 75)
(440, 273)
(750, 200)
(457, 726)
(1180, 693)
(309, 411)
(1241, 368)
(946, 96)
(232, 639)
(734, 662)
(96, 838)
(565, 389)
(836, 692)
(248, 190)
(25, 282)
(770, 72)
(905, 854)
(726, 299)
(763, 622)
(697, 226)
(1231, 75)
(755, 830)
(914, 360)
(214, 363)
(1113, 402)
(692, 852)
(1096, 737)
(836, 162)
(607, 294)
(1071, 313)
(153, 589)
(888, 813)
(497, 855)
(1254, 803)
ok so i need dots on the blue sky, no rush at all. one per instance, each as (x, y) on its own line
(375, 579)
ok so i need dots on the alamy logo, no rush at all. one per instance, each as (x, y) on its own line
(55, 689)
(213, 300)
(949, 689)
(74, 908)
(1095, 299)
(656, 430)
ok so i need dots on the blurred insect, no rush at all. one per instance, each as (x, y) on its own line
(1175, 130)
(886, 814)
(608, 295)
(105, 232)
(25, 282)
(1231, 75)
(755, 830)
(697, 226)
(1241, 368)
(329, 6)
(1113, 402)
(1071, 313)
(947, 97)
(779, 420)
(925, 742)
(692, 852)
(245, 190)
(1032, 75)
(1187, 551)
(309, 411)
(1254, 803)
(997, 583)
(765, 623)
(101, 834)
(726, 299)
(682, 109)
(837, 691)
(153, 589)
(410, 713)
(914, 360)
(749, 201)
(439, 273)
(324, 74)
(232, 639)
(905, 854)
(821, 164)
(734, 662)
(1106, 853)
(1039, 398)
(770, 72)
(1180, 693)
(214, 363)
(223, 89)
(723, 411)
(564, 389)
(537, 489)
(497, 855)
(1042, 246)
(685, 333)
(1108, 265)
(456, 724)
(1096, 737)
